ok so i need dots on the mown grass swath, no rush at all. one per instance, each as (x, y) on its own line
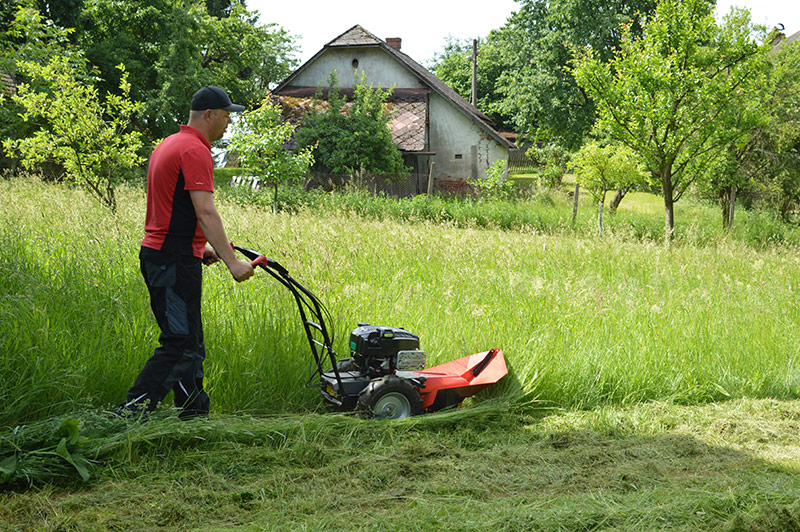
(584, 321)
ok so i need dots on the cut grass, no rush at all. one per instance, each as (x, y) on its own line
(721, 467)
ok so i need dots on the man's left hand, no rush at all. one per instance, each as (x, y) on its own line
(210, 256)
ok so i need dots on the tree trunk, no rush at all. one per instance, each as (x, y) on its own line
(275, 200)
(612, 207)
(731, 206)
(727, 202)
(600, 217)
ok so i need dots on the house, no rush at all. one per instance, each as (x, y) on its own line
(8, 86)
(779, 39)
(437, 131)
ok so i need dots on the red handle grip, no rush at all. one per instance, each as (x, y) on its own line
(260, 260)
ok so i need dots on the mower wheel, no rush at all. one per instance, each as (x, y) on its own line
(390, 397)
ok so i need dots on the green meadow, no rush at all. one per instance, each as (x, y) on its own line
(650, 387)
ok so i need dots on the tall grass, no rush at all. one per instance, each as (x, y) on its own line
(639, 218)
(584, 321)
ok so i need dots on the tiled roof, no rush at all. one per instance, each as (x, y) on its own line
(783, 41)
(358, 36)
(408, 109)
(355, 36)
(7, 84)
(408, 125)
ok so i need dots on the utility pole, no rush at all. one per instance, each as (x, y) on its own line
(475, 72)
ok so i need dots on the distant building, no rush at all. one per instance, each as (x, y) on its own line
(431, 122)
(780, 40)
(7, 84)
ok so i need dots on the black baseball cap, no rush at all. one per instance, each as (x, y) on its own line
(211, 97)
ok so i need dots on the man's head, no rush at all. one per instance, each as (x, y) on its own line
(210, 112)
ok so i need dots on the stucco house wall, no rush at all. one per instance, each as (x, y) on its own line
(378, 67)
(463, 150)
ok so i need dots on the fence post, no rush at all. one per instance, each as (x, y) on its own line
(575, 202)
(430, 179)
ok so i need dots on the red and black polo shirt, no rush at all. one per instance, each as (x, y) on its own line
(182, 162)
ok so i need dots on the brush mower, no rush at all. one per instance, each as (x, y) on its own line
(384, 376)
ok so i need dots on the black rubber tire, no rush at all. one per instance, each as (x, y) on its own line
(390, 397)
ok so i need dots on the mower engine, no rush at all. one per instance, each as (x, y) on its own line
(376, 351)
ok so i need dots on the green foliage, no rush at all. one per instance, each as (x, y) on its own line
(259, 140)
(600, 168)
(539, 41)
(495, 185)
(173, 47)
(553, 159)
(763, 168)
(45, 451)
(678, 95)
(27, 37)
(453, 65)
(354, 138)
(89, 138)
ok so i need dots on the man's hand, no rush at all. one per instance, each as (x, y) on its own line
(210, 256)
(241, 270)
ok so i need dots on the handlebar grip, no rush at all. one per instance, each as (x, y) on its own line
(260, 260)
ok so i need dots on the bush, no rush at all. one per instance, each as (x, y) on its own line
(494, 185)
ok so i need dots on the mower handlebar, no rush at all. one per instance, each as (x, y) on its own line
(259, 259)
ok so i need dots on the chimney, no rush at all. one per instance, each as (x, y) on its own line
(394, 42)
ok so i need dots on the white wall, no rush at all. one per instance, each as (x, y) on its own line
(453, 134)
(380, 68)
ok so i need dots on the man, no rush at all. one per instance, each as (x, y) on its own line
(181, 218)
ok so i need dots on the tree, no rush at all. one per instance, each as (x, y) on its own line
(454, 67)
(601, 168)
(221, 8)
(355, 138)
(27, 37)
(764, 166)
(62, 13)
(258, 139)
(90, 139)
(539, 42)
(173, 47)
(678, 95)
(778, 147)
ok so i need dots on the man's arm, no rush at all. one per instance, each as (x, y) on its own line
(211, 225)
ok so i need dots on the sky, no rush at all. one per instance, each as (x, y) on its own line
(425, 25)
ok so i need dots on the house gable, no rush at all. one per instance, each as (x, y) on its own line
(440, 134)
(407, 73)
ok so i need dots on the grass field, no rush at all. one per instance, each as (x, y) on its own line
(650, 387)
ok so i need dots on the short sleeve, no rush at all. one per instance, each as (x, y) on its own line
(198, 169)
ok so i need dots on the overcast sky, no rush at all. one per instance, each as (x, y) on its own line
(424, 25)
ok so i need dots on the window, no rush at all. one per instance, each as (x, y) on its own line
(355, 63)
